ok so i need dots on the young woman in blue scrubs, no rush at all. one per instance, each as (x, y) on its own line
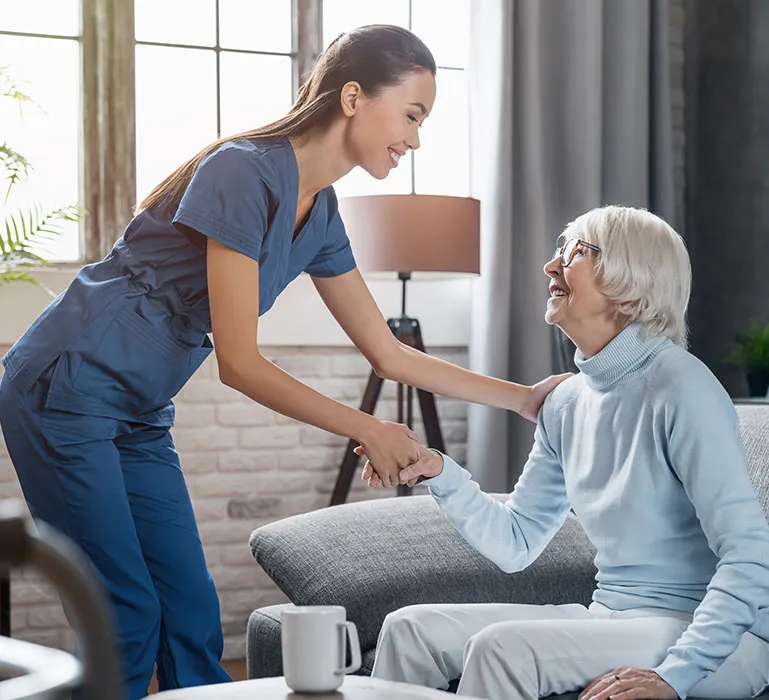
(85, 402)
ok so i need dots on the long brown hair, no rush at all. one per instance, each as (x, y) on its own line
(376, 56)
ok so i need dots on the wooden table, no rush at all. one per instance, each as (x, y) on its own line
(353, 688)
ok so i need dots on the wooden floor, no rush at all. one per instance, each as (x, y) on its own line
(237, 669)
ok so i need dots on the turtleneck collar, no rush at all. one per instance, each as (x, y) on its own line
(625, 354)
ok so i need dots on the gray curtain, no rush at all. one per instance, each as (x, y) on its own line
(570, 109)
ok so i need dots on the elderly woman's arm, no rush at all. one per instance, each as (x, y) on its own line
(707, 455)
(513, 534)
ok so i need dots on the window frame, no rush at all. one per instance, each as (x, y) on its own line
(107, 163)
(107, 167)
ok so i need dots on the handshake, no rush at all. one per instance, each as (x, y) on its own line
(405, 462)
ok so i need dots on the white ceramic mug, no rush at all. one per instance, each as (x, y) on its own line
(314, 643)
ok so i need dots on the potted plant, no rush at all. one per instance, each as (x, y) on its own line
(26, 229)
(752, 355)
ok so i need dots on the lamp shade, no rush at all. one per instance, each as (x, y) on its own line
(413, 232)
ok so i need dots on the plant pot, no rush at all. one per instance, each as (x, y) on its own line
(758, 383)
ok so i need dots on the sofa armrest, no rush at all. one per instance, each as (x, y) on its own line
(263, 650)
(377, 556)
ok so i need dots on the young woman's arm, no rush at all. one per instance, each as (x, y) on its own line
(350, 301)
(233, 287)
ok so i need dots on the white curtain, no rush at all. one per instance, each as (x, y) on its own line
(570, 109)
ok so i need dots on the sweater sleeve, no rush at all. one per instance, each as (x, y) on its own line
(511, 534)
(706, 453)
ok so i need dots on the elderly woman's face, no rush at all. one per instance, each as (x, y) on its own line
(575, 298)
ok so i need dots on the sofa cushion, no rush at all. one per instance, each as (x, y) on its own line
(378, 556)
(264, 655)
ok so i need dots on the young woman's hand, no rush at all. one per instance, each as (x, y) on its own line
(428, 465)
(537, 395)
(390, 448)
(368, 474)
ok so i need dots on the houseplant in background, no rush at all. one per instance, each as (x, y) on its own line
(751, 353)
(27, 228)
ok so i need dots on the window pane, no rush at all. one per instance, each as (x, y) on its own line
(175, 110)
(444, 25)
(41, 16)
(176, 21)
(358, 182)
(442, 162)
(46, 133)
(342, 15)
(255, 90)
(258, 25)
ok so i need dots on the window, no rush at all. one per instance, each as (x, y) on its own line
(215, 73)
(442, 163)
(40, 51)
(120, 110)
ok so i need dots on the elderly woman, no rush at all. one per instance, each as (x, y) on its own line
(644, 445)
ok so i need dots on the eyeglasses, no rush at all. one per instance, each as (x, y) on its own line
(567, 251)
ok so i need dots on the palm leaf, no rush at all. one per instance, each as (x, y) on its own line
(10, 88)
(20, 245)
(26, 230)
(15, 165)
(10, 276)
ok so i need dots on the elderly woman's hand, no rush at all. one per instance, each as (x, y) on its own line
(537, 395)
(628, 683)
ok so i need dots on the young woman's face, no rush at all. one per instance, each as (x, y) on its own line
(383, 128)
(576, 301)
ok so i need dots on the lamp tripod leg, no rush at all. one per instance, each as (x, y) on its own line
(427, 406)
(408, 332)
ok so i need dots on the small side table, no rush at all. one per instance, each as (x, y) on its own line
(353, 688)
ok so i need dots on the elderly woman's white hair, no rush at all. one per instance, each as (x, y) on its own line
(643, 267)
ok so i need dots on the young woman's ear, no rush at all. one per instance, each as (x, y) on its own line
(351, 98)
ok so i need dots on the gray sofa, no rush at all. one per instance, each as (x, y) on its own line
(377, 556)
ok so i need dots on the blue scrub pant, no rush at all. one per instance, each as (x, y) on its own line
(117, 489)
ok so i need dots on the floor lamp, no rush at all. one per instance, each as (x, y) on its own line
(405, 234)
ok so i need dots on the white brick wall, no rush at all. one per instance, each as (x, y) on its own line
(246, 466)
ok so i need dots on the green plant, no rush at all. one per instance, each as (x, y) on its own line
(27, 229)
(752, 349)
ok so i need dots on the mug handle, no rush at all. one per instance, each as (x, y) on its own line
(345, 629)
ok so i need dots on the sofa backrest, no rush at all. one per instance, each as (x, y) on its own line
(377, 556)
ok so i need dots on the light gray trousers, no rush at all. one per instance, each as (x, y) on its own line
(526, 652)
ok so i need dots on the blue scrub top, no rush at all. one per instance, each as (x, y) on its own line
(130, 330)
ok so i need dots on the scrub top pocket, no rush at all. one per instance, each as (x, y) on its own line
(61, 429)
(134, 367)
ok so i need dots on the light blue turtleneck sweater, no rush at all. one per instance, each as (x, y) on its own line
(644, 445)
